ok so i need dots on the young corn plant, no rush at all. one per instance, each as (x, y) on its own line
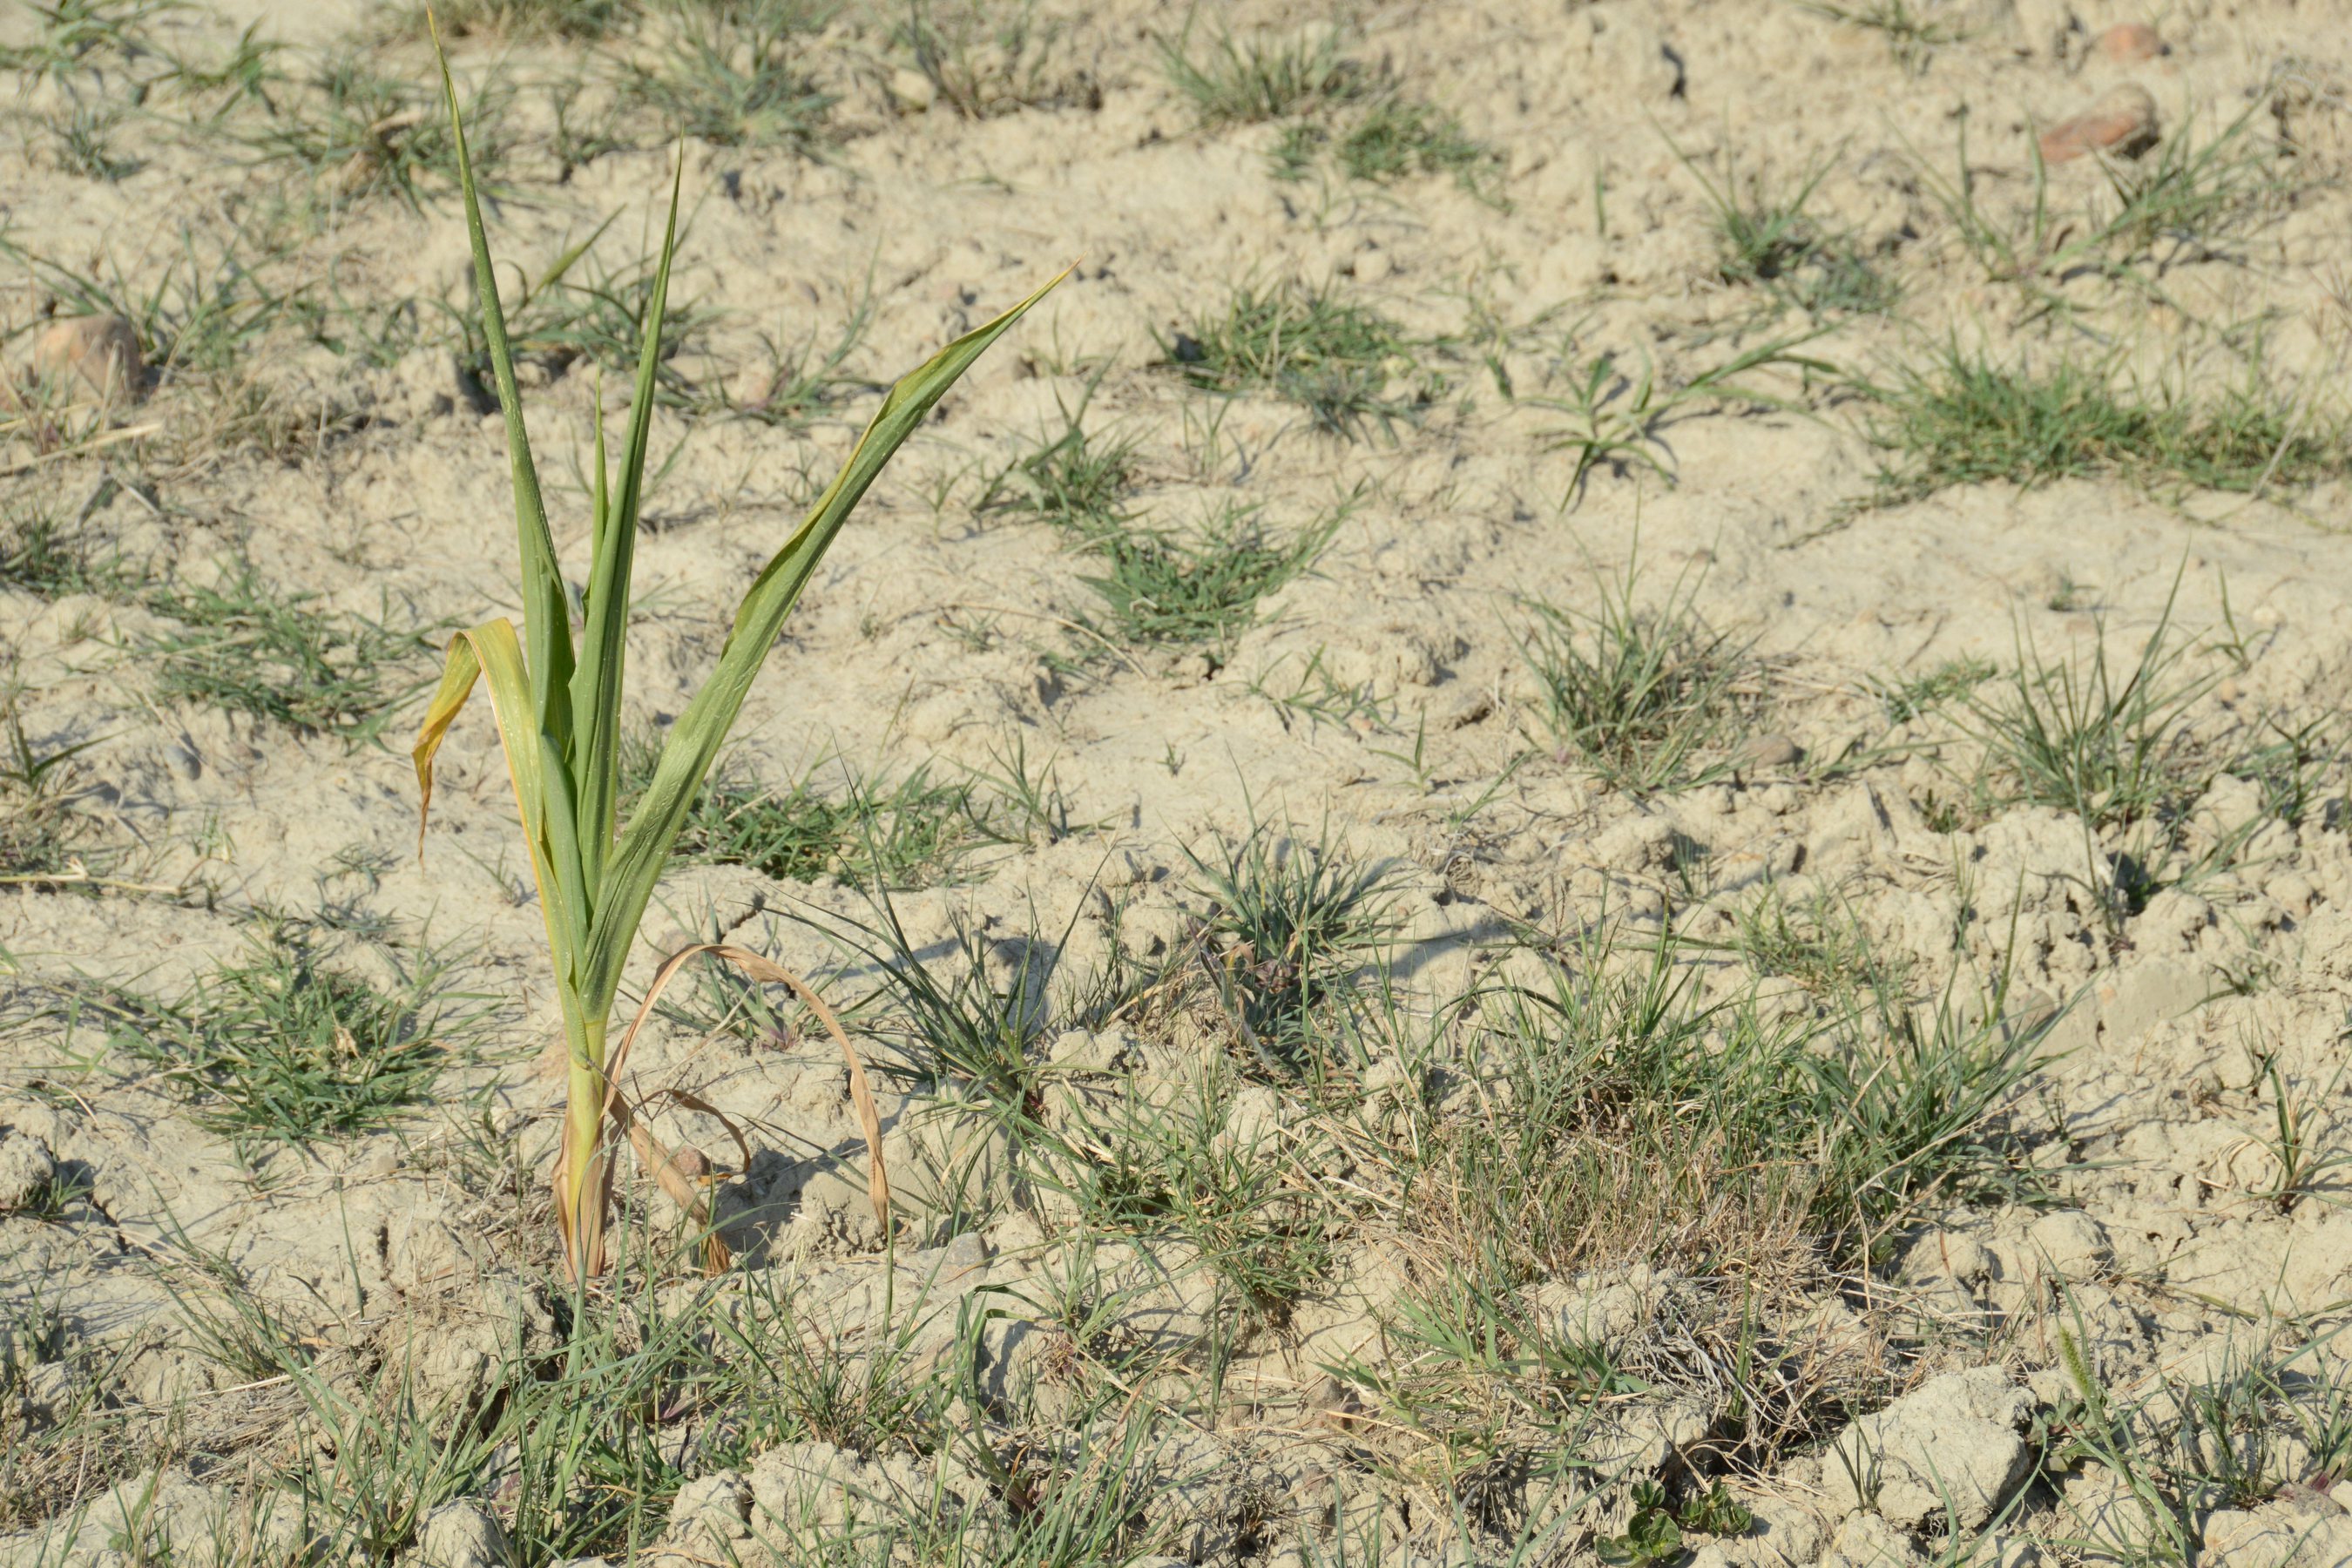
(557, 704)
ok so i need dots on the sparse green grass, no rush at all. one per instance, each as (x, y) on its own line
(199, 317)
(40, 832)
(292, 1047)
(1318, 696)
(1617, 420)
(1820, 944)
(1606, 1118)
(1912, 33)
(2183, 201)
(2129, 747)
(1905, 701)
(1905, 1106)
(1196, 585)
(245, 648)
(1649, 697)
(984, 59)
(731, 74)
(1077, 480)
(803, 382)
(1392, 137)
(74, 36)
(1765, 238)
(2275, 1410)
(43, 554)
(1180, 1171)
(1962, 417)
(1350, 366)
(663, 1383)
(1291, 928)
(84, 139)
(583, 310)
(906, 832)
(1240, 81)
(2103, 739)
(582, 21)
(355, 132)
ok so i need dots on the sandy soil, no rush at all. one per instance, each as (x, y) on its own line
(203, 1311)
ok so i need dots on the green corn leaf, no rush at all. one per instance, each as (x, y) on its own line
(603, 642)
(694, 742)
(547, 615)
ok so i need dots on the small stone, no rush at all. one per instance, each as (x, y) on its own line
(101, 352)
(912, 92)
(463, 1534)
(1773, 751)
(2070, 1243)
(1374, 266)
(2122, 122)
(27, 1169)
(2128, 42)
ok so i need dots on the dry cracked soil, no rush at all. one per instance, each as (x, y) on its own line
(1595, 812)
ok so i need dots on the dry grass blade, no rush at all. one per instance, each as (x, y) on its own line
(877, 1179)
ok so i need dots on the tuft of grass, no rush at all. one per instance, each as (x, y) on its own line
(1601, 1118)
(75, 35)
(1201, 585)
(1178, 1170)
(1962, 417)
(1617, 420)
(984, 61)
(1819, 942)
(1630, 1100)
(1347, 364)
(1393, 137)
(577, 21)
(85, 143)
(1291, 928)
(905, 833)
(2105, 740)
(1649, 697)
(289, 1047)
(1905, 701)
(970, 1024)
(803, 381)
(1240, 80)
(731, 74)
(2275, 1410)
(2182, 202)
(583, 310)
(2127, 748)
(243, 647)
(1765, 238)
(44, 554)
(1077, 480)
(40, 832)
(356, 133)
(1912, 33)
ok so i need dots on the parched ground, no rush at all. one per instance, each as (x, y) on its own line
(1594, 811)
